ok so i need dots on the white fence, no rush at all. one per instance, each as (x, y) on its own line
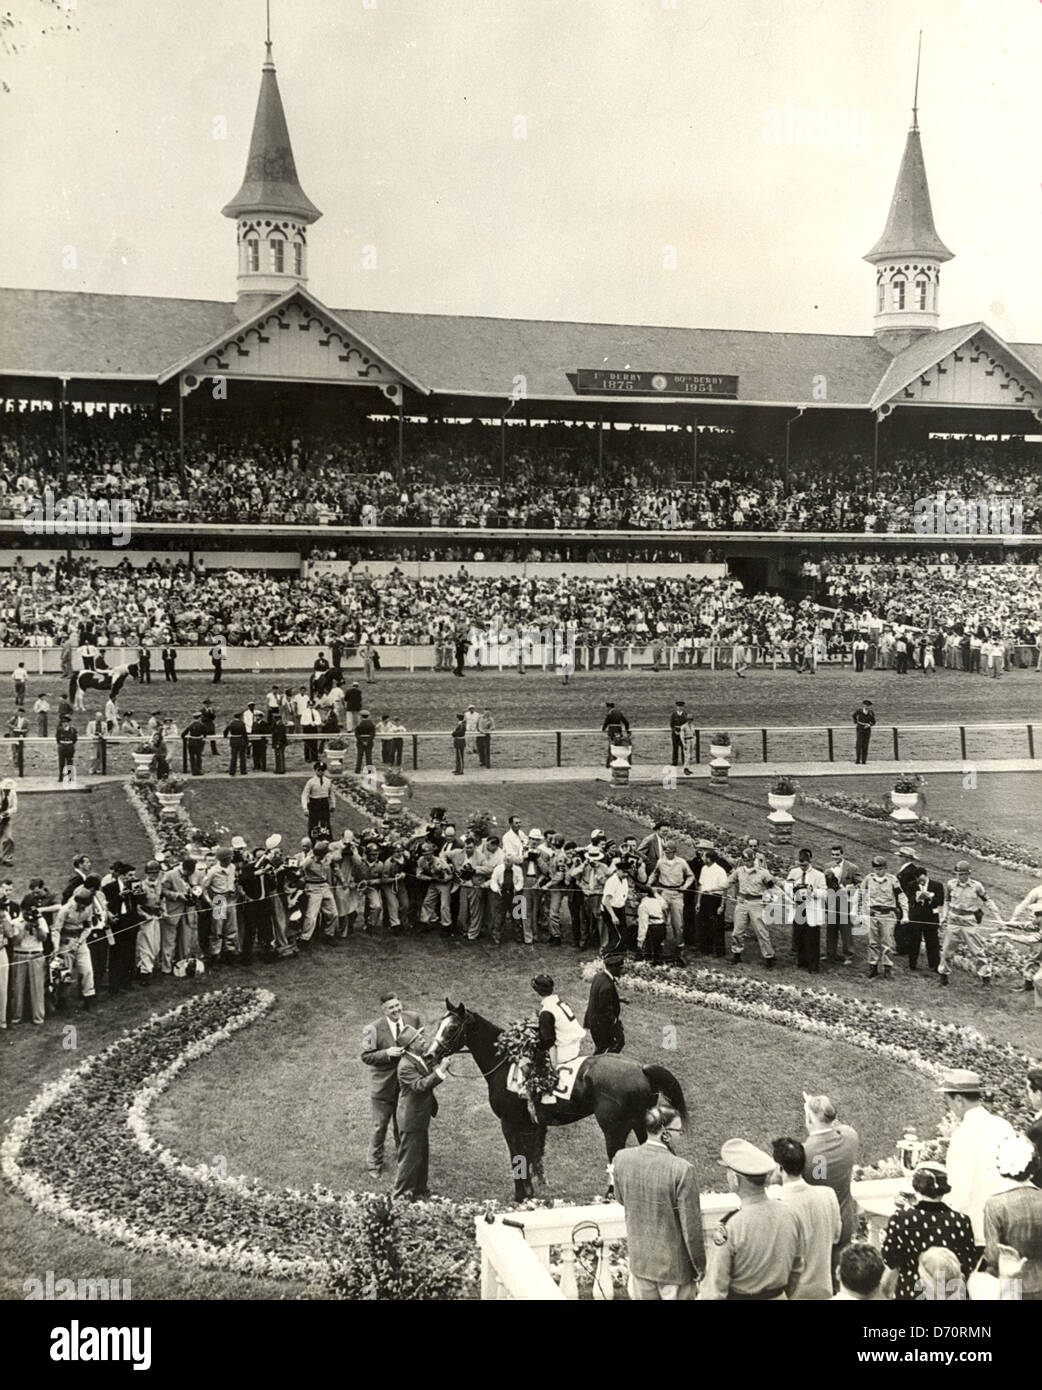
(520, 1249)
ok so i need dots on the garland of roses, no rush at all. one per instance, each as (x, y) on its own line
(1006, 961)
(1007, 853)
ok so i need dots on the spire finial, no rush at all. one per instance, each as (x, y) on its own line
(915, 98)
(267, 38)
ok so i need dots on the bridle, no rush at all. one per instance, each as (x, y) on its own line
(458, 1033)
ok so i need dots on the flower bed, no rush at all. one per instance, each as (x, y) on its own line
(913, 1039)
(1009, 853)
(372, 804)
(83, 1154)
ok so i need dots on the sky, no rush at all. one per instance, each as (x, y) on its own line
(710, 163)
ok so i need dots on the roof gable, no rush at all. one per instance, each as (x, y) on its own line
(969, 365)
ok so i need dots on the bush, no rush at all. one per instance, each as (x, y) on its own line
(906, 782)
(407, 1250)
(785, 786)
(171, 786)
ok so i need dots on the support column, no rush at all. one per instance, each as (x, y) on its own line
(694, 449)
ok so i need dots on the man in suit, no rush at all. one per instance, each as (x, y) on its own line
(381, 1041)
(238, 738)
(842, 876)
(652, 846)
(169, 655)
(365, 733)
(831, 1151)
(417, 1079)
(659, 1193)
(604, 1008)
(925, 896)
(677, 720)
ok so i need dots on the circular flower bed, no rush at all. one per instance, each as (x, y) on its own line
(913, 1039)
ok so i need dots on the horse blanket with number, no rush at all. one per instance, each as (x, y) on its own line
(567, 1075)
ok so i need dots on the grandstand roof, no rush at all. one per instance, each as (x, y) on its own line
(53, 333)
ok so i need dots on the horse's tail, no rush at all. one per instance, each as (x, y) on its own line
(663, 1081)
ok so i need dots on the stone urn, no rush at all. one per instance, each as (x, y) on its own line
(779, 802)
(906, 800)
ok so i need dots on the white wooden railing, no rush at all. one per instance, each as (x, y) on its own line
(519, 1248)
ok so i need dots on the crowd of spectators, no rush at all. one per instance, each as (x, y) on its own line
(77, 600)
(453, 477)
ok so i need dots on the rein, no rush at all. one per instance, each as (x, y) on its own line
(465, 1051)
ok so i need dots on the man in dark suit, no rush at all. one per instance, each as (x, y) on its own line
(417, 1079)
(169, 655)
(659, 1193)
(381, 1040)
(365, 733)
(604, 1008)
(908, 873)
(925, 897)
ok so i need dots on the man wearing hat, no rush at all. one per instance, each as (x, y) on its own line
(972, 1149)
(604, 1007)
(659, 1194)
(418, 1077)
(677, 720)
(317, 873)
(194, 739)
(147, 895)
(73, 924)
(218, 892)
(864, 721)
(383, 1042)
(882, 906)
(925, 896)
(614, 724)
(964, 899)
(592, 878)
(755, 1252)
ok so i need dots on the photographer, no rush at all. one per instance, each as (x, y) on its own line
(147, 896)
(72, 926)
(535, 863)
(28, 933)
(924, 920)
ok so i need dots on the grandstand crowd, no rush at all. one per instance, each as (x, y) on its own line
(77, 601)
(453, 477)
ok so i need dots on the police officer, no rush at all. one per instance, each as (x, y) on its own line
(195, 738)
(964, 899)
(755, 1251)
(864, 721)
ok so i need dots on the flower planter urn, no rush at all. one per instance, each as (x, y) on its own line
(392, 800)
(170, 802)
(908, 800)
(334, 763)
(780, 802)
(720, 750)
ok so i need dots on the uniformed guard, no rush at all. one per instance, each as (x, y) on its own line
(755, 1251)
(964, 899)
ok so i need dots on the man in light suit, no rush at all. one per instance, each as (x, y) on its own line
(842, 876)
(659, 1193)
(383, 1045)
(417, 1079)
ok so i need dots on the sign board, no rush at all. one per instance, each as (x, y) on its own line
(602, 381)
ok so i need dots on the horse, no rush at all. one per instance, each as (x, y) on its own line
(322, 682)
(109, 679)
(617, 1091)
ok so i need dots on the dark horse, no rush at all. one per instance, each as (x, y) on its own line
(322, 682)
(618, 1092)
(106, 678)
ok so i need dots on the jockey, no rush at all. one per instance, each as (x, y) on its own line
(560, 1032)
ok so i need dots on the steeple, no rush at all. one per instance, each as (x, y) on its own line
(909, 254)
(271, 209)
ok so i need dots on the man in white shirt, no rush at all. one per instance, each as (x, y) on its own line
(505, 886)
(973, 1149)
(515, 841)
(816, 1210)
(111, 716)
(673, 876)
(613, 909)
(806, 892)
(709, 922)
